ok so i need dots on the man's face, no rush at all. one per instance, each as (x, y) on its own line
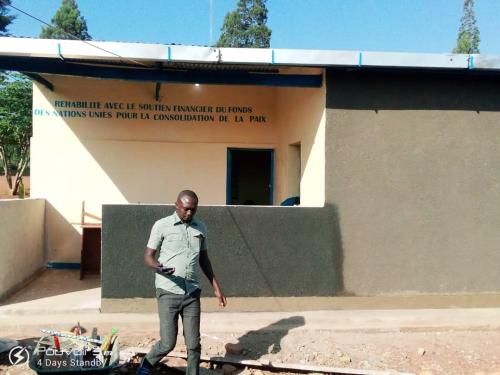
(186, 208)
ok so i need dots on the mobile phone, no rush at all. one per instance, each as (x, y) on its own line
(168, 270)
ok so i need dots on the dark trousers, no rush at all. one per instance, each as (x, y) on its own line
(170, 306)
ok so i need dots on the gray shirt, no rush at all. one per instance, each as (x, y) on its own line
(180, 245)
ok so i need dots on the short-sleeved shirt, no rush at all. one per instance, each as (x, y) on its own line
(180, 245)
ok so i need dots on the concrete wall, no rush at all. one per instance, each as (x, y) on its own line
(255, 251)
(22, 241)
(413, 167)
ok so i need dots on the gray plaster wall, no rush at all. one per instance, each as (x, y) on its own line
(255, 251)
(413, 168)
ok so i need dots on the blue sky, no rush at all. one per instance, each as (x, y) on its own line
(366, 25)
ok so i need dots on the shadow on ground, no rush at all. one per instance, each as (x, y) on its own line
(267, 340)
(131, 369)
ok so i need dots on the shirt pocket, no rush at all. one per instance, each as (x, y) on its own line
(173, 237)
(196, 241)
(174, 242)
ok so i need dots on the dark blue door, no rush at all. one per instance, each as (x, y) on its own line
(250, 175)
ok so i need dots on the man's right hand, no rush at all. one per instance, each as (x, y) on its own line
(165, 270)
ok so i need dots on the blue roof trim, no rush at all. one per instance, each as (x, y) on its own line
(471, 62)
(59, 53)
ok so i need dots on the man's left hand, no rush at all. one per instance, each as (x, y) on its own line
(221, 297)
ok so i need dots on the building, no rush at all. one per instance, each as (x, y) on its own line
(395, 157)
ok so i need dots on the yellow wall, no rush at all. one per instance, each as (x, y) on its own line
(22, 249)
(302, 119)
(121, 160)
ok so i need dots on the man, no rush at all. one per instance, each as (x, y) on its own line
(182, 241)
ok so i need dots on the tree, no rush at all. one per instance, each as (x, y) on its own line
(15, 128)
(67, 23)
(246, 26)
(5, 18)
(468, 33)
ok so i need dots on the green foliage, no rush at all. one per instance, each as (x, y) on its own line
(16, 95)
(246, 26)
(5, 18)
(67, 23)
(468, 33)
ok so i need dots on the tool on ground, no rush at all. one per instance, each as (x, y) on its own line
(71, 336)
(107, 340)
(106, 345)
(56, 343)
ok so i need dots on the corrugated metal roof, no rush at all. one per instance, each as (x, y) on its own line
(180, 65)
(194, 57)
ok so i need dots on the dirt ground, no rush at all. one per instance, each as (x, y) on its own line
(439, 352)
(425, 352)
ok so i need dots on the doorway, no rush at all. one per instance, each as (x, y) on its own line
(250, 175)
(294, 169)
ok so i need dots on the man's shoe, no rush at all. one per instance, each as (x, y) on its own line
(145, 368)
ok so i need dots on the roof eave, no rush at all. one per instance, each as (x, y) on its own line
(149, 53)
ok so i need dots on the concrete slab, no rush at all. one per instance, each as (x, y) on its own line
(238, 304)
(55, 291)
(355, 320)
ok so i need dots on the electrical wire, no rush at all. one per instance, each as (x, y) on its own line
(73, 36)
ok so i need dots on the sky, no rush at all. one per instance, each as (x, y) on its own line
(358, 25)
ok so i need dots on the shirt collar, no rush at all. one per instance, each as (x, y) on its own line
(177, 220)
